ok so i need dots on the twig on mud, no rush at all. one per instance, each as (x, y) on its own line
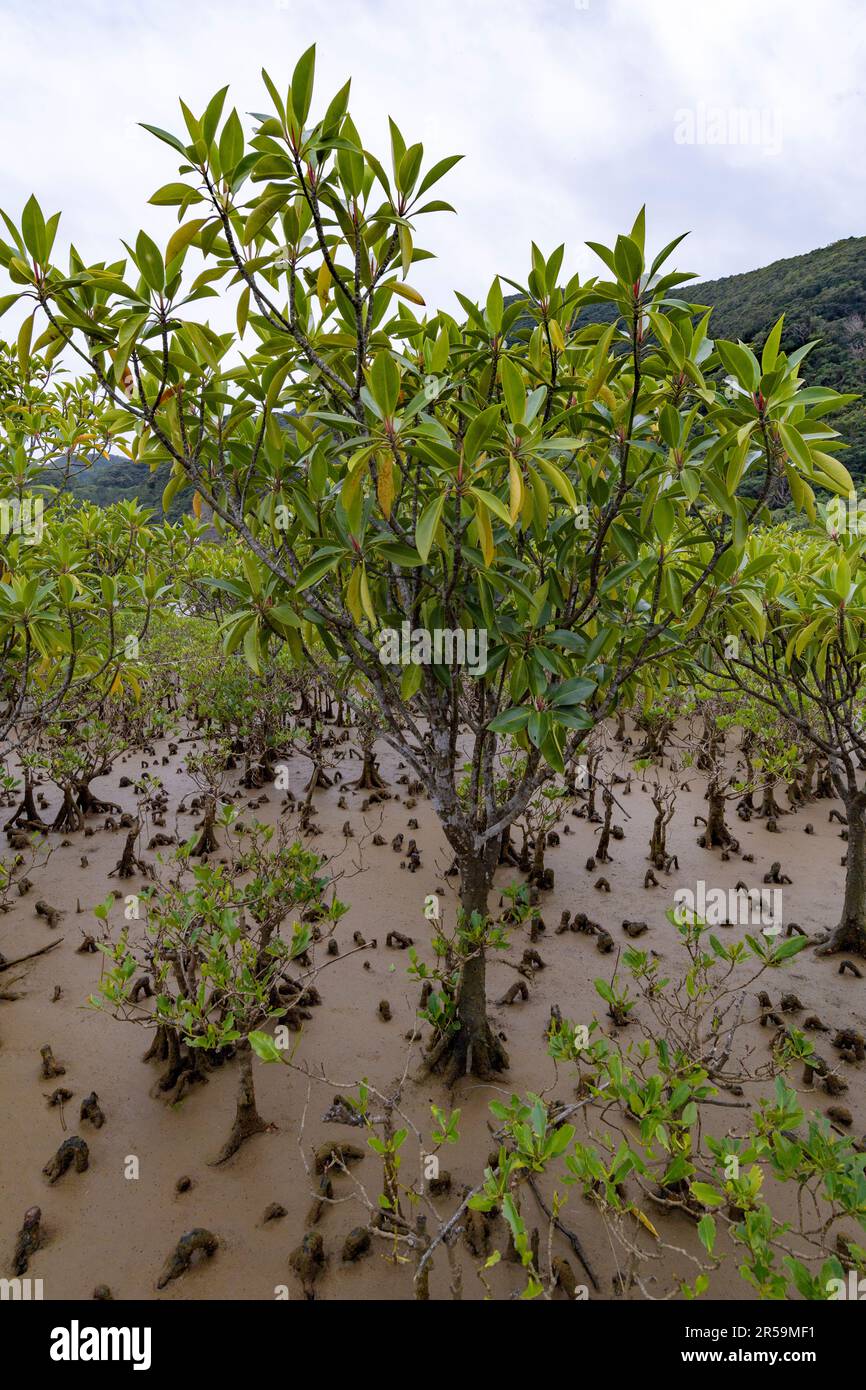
(31, 955)
(569, 1235)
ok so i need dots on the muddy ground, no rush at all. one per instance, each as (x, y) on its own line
(102, 1227)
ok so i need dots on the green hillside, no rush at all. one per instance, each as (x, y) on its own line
(116, 478)
(822, 295)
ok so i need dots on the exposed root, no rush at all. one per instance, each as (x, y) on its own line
(29, 1240)
(461, 1054)
(849, 936)
(72, 1151)
(181, 1256)
(248, 1121)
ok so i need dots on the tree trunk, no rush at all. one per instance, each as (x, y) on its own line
(207, 841)
(69, 817)
(809, 774)
(601, 849)
(90, 805)
(27, 816)
(472, 1048)
(850, 935)
(536, 873)
(717, 834)
(770, 807)
(129, 863)
(248, 1121)
(319, 779)
(369, 779)
(664, 810)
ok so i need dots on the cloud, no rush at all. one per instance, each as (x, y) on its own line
(566, 115)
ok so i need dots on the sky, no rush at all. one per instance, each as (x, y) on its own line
(742, 122)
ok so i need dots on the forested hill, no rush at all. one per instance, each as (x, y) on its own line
(115, 478)
(822, 295)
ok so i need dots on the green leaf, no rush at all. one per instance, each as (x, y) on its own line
(492, 503)
(149, 262)
(740, 362)
(213, 112)
(180, 239)
(302, 85)
(231, 146)
(252, 651)
(573, 692)
(25, 335)
(707, 1233)
(495, 307)
(510, 721)
(385, 383)
(706, 1195)
(175, 482)
(171, 195)
(264, 1047)
(437, 172)
(262, 214)
(479, 432)
(166, 137)
(428, 521)
(628, 260)
(663, 519)
(316, 570)
(771, 346)
(514, 390)
(33, 229)
(796, 447)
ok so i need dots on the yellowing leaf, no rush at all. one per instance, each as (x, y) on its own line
(385, 483)
(559, 480)
(527, 507)
(407, 292)
(515, 490)
(353, 595)
(428, 521)
(405, 250)
(323, 283)
(366, 600)
(645, 1221)
(441, 350)
(839, 476)
(485, 531)
(410, 681)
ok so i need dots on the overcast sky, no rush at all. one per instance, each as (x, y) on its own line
(741, 121)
